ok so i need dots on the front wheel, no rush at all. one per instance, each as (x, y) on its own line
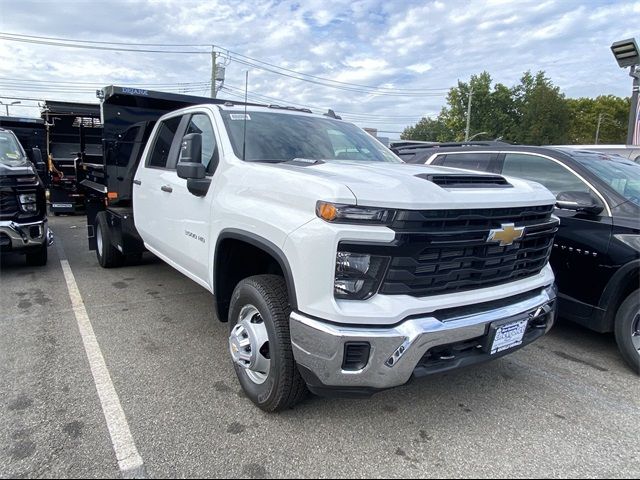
(627, 329)
(260, 344)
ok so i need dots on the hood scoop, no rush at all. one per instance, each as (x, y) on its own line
(466, 180)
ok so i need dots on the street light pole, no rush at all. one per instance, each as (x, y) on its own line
(627, 54)
(6, 105)
(633, 111)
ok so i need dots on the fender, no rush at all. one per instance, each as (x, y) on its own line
(263, 244)
(612, 293)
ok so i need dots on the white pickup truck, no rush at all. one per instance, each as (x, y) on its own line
(339, 268)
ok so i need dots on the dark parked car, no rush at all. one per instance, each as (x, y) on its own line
(596, 254)
(23, 209)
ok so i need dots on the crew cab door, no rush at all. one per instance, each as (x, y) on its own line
(151, 190)
(190, 215)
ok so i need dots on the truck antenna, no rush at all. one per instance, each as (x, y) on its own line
(244, 133)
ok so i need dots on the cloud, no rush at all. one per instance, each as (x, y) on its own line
(414, 44)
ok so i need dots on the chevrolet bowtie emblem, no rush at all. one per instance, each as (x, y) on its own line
(506, 235)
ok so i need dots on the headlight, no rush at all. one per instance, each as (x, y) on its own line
(28, 202)
(338, 213)
(358, 275)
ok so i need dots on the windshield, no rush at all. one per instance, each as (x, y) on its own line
(280, 137)
(621, 175)
(10, 151)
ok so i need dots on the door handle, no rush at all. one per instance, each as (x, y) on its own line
(166, 188)
(137, 182)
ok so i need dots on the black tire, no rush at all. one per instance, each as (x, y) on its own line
(284, 387)
(39, 257)
(108, 255)
(627, 324)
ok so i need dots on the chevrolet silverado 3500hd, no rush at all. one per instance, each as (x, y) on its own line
(339, 268)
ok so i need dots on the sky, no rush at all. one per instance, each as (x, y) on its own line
(380, 64)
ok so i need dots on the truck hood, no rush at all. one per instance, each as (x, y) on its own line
(17, 168)
(407, 186)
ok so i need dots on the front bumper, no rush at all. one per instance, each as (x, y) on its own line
(421, 345)
(24, 236)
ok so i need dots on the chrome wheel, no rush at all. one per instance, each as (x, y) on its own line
(635, 332)
(249, 345)
(99, 245)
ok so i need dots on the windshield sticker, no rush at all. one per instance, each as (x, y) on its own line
(240, 116)
(12, 156)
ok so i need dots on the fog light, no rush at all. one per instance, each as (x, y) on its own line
(356, 356)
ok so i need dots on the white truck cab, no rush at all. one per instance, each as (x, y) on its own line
(339, 268)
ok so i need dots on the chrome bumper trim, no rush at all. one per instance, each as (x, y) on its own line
(396, 351)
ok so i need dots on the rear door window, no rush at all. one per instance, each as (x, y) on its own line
(162, 144)
(483, 162)
(543, 170)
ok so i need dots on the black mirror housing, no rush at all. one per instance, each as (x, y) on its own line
(191, 151)
(190, 170)
(579, 202)
(41, 167)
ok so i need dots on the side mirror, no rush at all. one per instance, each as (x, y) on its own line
(579, 202)
(191, 151)
(41, 167)
(190, 165)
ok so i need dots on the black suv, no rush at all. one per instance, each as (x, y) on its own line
(596, 254)
(23, 209)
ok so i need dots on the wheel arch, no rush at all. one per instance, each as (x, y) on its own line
(230, 239)
(623, 282)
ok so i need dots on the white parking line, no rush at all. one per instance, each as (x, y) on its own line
(129, 460)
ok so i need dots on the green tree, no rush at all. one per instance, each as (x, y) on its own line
(428, 129)
(543, 113)
(608, 110)
(532, 112)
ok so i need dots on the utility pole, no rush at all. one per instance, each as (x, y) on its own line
(213, 73)
(466, 135)
(598, 128)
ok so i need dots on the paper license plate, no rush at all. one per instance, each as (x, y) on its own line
(509, 336)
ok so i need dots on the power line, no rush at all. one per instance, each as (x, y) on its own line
(341, 87)
(95, 47)
(242, 59)
(364, 116)
(31, 80)
(107, 43)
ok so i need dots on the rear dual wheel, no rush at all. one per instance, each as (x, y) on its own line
(108, 255)
(260, 343)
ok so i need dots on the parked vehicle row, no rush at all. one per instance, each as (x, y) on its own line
(596, 254)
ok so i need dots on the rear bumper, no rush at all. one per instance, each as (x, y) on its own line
(17, 237)
(419, 346)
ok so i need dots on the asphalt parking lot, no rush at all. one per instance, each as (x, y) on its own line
(566, 406)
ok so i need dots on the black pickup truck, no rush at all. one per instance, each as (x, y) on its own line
(23, 209)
